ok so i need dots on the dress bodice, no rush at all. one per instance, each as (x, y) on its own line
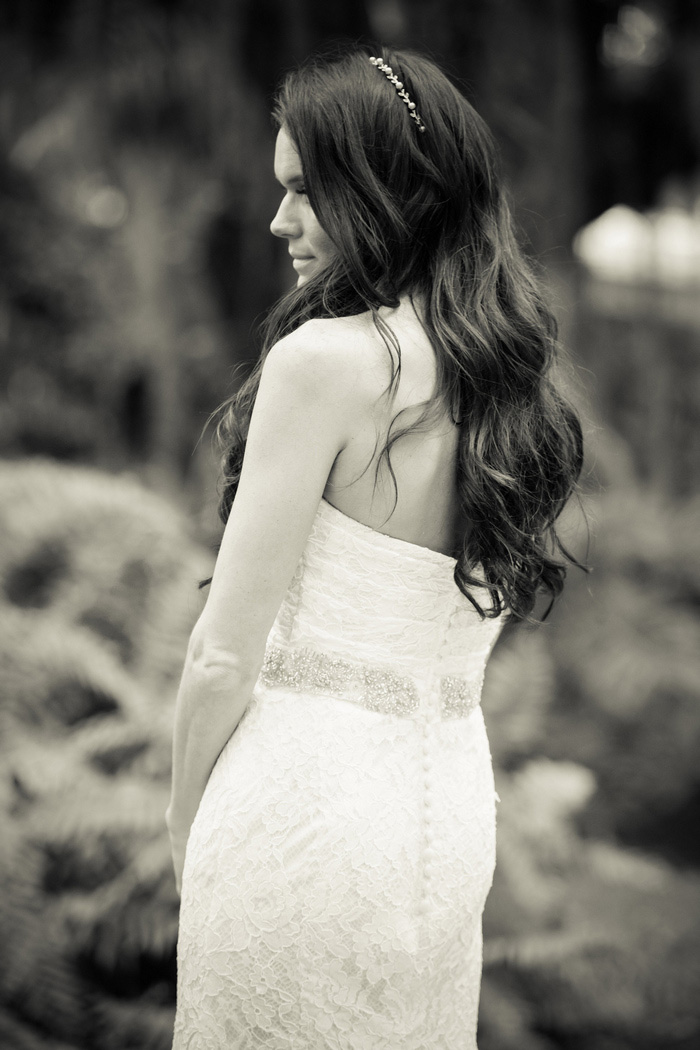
(371, 601)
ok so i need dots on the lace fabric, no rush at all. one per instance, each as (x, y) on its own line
(340, 858)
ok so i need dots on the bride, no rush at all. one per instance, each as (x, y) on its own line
(393, 471)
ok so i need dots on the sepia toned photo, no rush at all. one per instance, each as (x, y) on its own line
(349, 525)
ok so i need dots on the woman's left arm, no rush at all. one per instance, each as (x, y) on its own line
(304, 410)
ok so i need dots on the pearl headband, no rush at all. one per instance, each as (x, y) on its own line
(400, 89)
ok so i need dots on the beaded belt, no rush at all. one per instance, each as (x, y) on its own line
(374, 688)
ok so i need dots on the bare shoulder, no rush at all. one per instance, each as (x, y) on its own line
(338, 356)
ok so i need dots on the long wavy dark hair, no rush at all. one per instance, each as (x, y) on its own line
(424, 214)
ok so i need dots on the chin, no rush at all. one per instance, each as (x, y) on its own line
(307, 273)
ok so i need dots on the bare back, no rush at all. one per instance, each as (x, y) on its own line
(424, 461)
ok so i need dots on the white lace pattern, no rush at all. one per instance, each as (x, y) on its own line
(339, 862)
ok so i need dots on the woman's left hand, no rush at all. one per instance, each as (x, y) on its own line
(178, 845)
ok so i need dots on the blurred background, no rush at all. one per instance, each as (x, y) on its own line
(136, 191)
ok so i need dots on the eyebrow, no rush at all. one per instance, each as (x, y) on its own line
(291, 181)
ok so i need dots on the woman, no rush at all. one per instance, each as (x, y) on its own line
(398, 460)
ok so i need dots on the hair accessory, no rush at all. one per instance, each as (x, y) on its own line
(400, 89)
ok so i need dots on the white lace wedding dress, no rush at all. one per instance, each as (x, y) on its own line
(339, 861)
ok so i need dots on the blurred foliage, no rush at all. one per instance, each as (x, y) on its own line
(638, 345)
(591, 944)
(131, 261)
(98, 593)
(628, 654)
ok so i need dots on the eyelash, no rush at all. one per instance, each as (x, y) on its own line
(302, 191)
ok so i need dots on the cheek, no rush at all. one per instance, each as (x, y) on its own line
(326, 248)
(322, 244)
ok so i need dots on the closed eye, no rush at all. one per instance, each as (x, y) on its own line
(293, 185)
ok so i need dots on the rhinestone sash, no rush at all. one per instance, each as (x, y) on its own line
(375, 688)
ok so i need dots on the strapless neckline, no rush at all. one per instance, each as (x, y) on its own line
(383, 539)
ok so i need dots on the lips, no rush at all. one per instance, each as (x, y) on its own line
(301, 262)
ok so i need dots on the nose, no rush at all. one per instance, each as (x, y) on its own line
(285, 224)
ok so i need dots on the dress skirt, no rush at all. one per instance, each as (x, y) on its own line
(334, 882)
